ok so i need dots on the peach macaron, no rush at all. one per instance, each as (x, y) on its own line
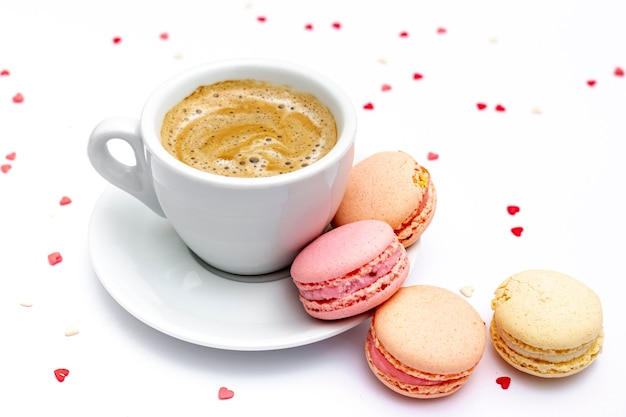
(350, 270)
(390, 186)
(425, 342)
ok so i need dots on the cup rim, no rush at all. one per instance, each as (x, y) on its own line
(184, 83)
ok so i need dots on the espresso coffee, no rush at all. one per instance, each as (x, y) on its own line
(248, 128)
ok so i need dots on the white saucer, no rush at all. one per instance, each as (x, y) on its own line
(150, 272)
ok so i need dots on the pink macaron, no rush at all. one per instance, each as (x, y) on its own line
(350, 270)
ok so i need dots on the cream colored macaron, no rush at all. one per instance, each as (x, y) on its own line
(546, 323)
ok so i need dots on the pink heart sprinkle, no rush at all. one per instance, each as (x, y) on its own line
(432, 156)
(4, 73)
(517, 231)
(60, 374)
(591, 83)
(503, 381)
(165, 36)
(500, 108)
(261, 19)
(512, 210)
(619, 72)
(417, 76)
(441, 30)
(117, 40)
(368, 106)
(54, 258)
(18, 98)
(404, 34)
(337, 25)
(225, 394)
(308, 26)
(11, 156)
(65, 201)
(5, 168)
(385, 87)
(481, 106)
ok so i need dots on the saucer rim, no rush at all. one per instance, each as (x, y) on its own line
(315, 331)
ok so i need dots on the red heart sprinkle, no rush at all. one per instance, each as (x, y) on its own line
(261, 19)
(60, 374)
(4, 73)
(404, 34)
(225, 394)
(481, 106)
(54, 258)
(500, 107)
(517, 231)
(417, 76)
(432, 156)
(591, 83)
(337, 25)
(18, 98)
(385, 87)
(5, 168)
(441, 30)
(65, 201)
(618, 72)
(504, 381)
(117, 40)
(512, 210)
(11, 156)
(368, 106)
(165, 36)
(308, 26)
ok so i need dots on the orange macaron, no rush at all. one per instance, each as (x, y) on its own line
(390, 186)
(425, 342)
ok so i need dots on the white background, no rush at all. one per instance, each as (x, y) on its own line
(556, 152)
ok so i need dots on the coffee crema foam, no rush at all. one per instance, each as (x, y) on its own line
(248, 128)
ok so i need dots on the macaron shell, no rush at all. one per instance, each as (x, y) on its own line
(341, 250)
(383, 187)
(548, 310)
(431, 329)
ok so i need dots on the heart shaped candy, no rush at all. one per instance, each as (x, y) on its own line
(504, 382)
(225, 394)
(60, 374)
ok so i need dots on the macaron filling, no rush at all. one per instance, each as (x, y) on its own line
(399, 375)
(409, 226)
(356, 280)
(548, 355)
(386, 367)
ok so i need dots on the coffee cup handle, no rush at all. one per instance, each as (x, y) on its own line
(134, 179)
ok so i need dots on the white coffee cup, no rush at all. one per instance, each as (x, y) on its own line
(245, 226)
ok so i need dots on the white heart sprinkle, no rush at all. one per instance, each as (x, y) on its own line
(467, 290)
(71, 331)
